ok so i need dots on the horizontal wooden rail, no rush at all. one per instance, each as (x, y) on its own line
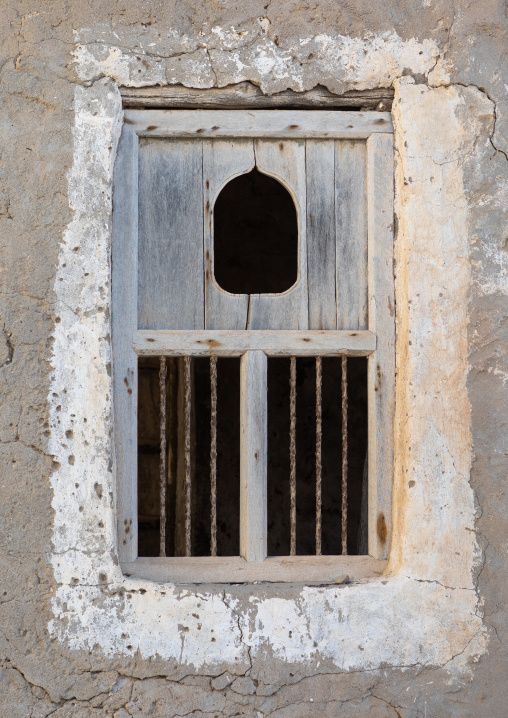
(233, 569)
(234, 343)
(259, 124)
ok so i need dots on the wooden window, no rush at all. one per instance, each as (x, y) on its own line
(336, 302)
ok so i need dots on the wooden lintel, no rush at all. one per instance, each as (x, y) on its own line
(247, 95)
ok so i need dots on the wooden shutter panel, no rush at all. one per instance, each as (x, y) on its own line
(170, 242)
(179, 181)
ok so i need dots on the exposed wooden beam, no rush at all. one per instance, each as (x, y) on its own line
(247, 95)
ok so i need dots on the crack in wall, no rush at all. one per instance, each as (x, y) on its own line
(485, 92)
(91, 126)
(126, 685)
(255, 57)
(242, 639)
(236, 610)
(9, 346)
(13, 616)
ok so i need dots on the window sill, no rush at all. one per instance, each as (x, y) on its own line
(234, 569)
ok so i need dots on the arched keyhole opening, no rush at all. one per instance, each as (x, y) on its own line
(255, 236)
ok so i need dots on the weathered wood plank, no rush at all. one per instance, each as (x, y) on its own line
(171, 274)
(124, 323)
(320, 164)
(232, 569)
(284, 160)
(381, 369)
(272, 343)
(245, 94)
(253, 456)
(351, 233)
(288, 124)
(222, 161)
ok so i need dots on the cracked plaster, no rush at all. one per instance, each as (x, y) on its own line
(463, 52)
(222, 57)
(360, 626)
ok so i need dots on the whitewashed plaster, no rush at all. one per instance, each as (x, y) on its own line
(425, 610)
(225, 56)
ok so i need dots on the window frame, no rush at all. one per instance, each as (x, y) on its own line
(378, 342)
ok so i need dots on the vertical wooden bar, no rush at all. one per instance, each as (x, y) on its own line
(321, 244)
(351, 233)
(213, 456)
(162, 460)
(124, 324)
(187, 454)
(292, 455)
(253, 456)
(381, 364)
(344, 455)
(318, 454)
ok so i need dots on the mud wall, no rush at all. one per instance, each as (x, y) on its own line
(76, 637)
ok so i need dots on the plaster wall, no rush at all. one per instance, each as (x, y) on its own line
(76, 637)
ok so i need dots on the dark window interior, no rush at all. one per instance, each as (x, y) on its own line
(278, 455)
(228, 460)
(255, 236)
(228, 457)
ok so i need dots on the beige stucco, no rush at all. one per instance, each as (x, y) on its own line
(428, 638)
(429, 589)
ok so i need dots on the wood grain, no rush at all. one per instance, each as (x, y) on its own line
(381, 365)
(253, 456)
(351, 233)
(320, 219)
(235, 343)
(171, 269)
(283, 124)
(222, 161)
(347, 245)
(284, 160)
(245, 94)
(232, 569)
(124, 323)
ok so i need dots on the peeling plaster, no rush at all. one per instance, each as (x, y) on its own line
(425, 612)
(433, 273)
(349, 63)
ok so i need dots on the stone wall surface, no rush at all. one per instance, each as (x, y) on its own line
(429, 638)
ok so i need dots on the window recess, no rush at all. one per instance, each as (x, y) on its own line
(205, 363)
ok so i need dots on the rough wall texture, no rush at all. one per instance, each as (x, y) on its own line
(62, 599)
